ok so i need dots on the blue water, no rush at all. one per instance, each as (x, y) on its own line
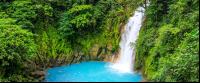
(90, 72)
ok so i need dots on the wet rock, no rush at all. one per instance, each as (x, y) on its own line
(118, 55)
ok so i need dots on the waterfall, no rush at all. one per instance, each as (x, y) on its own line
(130, 34)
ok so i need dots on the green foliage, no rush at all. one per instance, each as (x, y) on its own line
(48, 10)
(50, 45)
(81, 21)
(16, 44)
(183, 65)
(24, 11)
(62, 27)
(167, 42)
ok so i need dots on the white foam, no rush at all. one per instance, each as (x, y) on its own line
(130, 34)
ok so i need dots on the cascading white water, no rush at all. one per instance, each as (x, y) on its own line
(130, 34)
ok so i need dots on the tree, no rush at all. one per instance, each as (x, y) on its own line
(24, 11)
(16, 44)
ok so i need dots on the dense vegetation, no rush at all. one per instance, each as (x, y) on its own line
(42, 30)
(168, 44)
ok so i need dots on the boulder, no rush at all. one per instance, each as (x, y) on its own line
(93, 52)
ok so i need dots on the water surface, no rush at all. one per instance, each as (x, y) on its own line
(90, 72)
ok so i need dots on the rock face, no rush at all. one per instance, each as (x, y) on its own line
(116, 56)
(38, 74)
(76, 54)
(122, 26)
(108, 53)
(70, 58)
(132, 14)
(93, 52)
(106, 59)
(78, 58)
(139, 68)
(108, 56)
(109, 46)
(98, 52)
(102, 55)
(81, 53)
